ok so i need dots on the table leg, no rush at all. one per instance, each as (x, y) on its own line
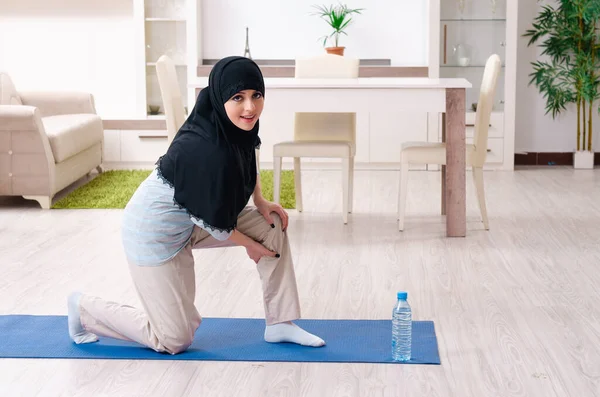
(456, 222)
(443, 167)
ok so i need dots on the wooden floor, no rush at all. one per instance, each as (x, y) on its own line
(516, 309)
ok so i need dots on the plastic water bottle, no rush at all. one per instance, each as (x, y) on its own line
(401, 329)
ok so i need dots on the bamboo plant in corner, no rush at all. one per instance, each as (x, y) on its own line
(571, 73)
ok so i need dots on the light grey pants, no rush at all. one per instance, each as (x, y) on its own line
(167, 292)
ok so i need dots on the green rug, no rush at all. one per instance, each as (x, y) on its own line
(113, 189)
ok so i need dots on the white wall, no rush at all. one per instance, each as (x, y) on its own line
(284, 29)
(72, 45)
(536, 131)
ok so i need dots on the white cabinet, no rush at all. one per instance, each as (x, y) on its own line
(379, 136)
(112, 146)
(171, 28)
(464, 34)
(133, 148)
(143, 146)
(495, 149)
(274, 127)
(387, 133)
(496, 125)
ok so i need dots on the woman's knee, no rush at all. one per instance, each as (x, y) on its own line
(277, 221)
(178, 339)
(178, 344)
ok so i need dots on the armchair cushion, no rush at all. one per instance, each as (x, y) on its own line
(70, 134)
(53, 103)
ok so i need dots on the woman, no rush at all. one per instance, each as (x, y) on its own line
(197, 198)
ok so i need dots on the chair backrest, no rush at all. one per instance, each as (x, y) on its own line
(326, 126)
(171, 95)
(484, 107)
(8, 92)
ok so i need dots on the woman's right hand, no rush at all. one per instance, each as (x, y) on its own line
(256, 251)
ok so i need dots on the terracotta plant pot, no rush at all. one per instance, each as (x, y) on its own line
(335, 50)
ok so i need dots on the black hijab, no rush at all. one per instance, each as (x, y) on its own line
(211, 163)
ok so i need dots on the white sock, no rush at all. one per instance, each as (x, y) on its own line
(290, 332)
(76, 331)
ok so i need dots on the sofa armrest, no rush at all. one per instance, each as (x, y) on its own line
(53, 103)
(20, 118)
(26, 158)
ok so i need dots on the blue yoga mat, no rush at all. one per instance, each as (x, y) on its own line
(222, 339)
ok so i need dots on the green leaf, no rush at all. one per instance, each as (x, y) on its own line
(568, 37)
(337, 17)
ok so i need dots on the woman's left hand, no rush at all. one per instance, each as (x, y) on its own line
(266, 208)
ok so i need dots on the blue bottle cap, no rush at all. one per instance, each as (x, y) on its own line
(402, 295)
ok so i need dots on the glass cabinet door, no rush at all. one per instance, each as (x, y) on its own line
(471, 31)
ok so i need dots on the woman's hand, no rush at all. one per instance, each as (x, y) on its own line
(257, 250)
(254, 249)
(266, 208)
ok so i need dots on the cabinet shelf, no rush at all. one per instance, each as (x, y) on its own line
(469, 66)
(464, 38)
(159, 116)
(473, 20)
(165, 19)
(176, 64)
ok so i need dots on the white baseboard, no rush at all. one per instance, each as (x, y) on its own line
(316, 166)
(269, 166)
(128, 166)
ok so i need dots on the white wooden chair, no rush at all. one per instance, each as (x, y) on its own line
(435, 153)
(171, 95)
(321, 135)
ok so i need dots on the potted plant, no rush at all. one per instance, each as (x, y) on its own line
(571, 73)
(338, 18)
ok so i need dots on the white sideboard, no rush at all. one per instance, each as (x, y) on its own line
(377, 144)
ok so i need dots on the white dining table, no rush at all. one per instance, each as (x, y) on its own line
(394, 94)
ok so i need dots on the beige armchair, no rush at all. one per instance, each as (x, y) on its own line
(48, 140)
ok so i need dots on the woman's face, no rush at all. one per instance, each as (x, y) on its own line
(244, 108)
